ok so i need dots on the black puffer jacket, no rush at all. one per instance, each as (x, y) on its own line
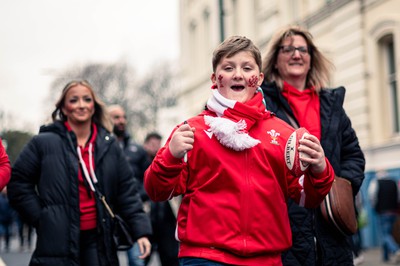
(341, 147)
(44, 190)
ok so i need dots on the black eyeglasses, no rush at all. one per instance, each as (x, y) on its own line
(288, 49)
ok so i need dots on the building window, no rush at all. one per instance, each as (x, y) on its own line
(390, 80)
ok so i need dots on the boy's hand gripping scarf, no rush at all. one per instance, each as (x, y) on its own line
(234, 120)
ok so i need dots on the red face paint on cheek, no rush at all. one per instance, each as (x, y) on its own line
(220, 77)
(253, 81)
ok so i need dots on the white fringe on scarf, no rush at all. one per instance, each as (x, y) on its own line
(229, 133)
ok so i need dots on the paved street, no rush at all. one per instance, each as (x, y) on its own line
(16, 258)
(373, 258)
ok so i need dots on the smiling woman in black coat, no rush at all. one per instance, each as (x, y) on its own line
(296, 76)
(51, 189)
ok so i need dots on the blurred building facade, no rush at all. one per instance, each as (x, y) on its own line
(361, 37)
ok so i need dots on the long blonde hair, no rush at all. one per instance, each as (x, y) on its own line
(320, 66)
(100, 116)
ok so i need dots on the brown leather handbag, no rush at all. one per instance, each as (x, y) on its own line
(338, 207)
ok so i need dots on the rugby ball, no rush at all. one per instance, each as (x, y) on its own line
(292, 155)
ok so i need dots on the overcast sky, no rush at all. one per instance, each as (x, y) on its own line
(41, 35)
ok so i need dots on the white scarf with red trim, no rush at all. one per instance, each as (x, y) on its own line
(234, 119)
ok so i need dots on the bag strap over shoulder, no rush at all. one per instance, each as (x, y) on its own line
(293, 123)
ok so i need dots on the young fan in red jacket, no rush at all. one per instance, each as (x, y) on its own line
(228, 163)
(5, 168)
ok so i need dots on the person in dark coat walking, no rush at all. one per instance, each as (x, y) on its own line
(163, 214)
(296, 75)
(137, 158)
(53, 181)
(384, 194)
(134, 153)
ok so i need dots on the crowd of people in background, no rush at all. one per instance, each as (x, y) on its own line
(12, 226)
(203, 196)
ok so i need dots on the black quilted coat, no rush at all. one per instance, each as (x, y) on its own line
(44, 190)
(314, 237)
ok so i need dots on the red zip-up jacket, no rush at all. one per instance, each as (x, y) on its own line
(233, 208)
(5, 167)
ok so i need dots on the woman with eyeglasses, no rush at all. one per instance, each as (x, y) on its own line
(55, 180)
(296, 78)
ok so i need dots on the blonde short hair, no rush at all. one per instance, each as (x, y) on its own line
(234, 45)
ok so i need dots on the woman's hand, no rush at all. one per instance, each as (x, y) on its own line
(311, 146)
(144, 247)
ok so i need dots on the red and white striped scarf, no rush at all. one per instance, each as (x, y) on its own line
(234, 120)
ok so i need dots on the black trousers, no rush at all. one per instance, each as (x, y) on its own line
(88, 248)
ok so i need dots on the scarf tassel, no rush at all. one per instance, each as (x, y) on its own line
(230, 134)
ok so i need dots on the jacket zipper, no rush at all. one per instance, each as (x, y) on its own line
(245, 203)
